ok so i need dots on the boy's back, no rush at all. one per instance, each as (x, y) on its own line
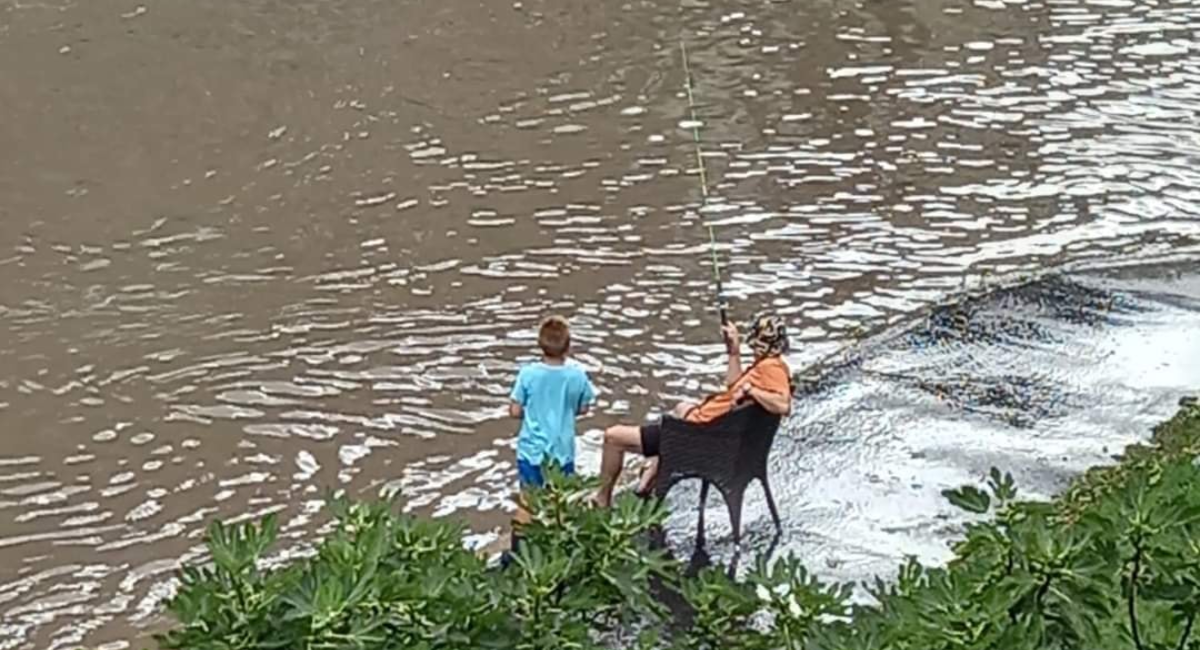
(551, 396)
(548, 396)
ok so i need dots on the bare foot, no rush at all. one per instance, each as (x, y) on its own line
(646, 479)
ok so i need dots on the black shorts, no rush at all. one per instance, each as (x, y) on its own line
(651, 438)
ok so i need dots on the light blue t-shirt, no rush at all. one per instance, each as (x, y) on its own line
(550, 397)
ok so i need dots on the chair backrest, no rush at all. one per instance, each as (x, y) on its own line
(750, 416)
(757, 431)
(728, 451)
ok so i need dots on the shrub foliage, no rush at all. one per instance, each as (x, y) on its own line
(1114, 563)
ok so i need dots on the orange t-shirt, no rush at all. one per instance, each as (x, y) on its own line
(769, 374)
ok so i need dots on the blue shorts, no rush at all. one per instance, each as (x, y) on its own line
(530, 475)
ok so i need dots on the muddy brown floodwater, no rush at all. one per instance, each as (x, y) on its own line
(253, 250)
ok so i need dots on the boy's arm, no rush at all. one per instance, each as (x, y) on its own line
(516, 404)
(588, 397)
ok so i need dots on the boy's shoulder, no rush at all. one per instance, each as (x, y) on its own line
(576, 368)
(536, 370)
(574, 365)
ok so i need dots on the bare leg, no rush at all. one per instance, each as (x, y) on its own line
(649, 472)
(522, 516)
(617, 440)
(650, 467)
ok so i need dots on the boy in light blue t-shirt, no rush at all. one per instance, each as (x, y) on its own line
(547, 397)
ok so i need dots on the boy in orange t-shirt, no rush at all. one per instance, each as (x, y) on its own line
(767, 381)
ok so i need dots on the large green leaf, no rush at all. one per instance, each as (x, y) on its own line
(969, 498)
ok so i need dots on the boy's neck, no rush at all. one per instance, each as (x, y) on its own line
(553, 361)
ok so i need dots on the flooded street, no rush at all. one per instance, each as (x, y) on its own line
(250, 252)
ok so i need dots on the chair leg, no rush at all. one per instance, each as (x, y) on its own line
(771, 505)
(734, 501)
(700, 526)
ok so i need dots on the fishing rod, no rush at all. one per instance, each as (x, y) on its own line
(722, 307)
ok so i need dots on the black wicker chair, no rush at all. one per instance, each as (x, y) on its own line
(728, 453)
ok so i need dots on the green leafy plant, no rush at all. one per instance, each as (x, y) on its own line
(723, 613)
(383, 580)
(1112, 564)
(969, 498)
(796, 601)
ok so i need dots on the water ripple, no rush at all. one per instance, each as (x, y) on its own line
(314, 264)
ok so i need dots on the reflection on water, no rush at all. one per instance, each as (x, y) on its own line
(299, 246)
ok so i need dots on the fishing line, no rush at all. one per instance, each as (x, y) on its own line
(712, 236)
